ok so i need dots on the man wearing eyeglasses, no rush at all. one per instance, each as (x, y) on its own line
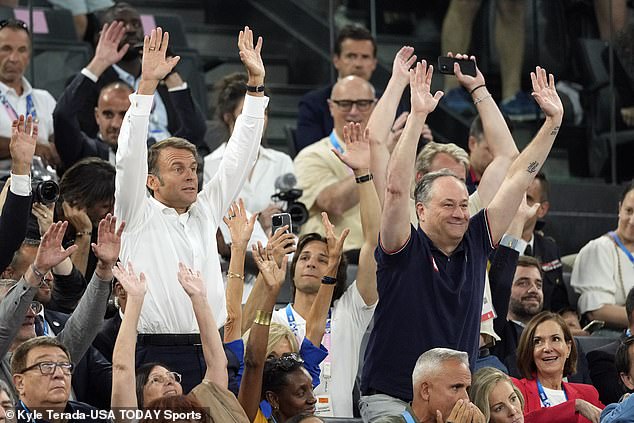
(328, 184)
(42, 373)
(17, 97)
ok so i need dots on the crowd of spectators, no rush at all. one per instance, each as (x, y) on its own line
(114, 305)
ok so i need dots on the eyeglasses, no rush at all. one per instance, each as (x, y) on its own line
(346, 105)
(164, 378)
(48, 367)
(36, 307)
(14, 23)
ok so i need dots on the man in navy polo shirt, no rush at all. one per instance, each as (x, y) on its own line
(431, 278)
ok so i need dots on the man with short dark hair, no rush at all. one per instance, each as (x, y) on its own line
(42, 373)
(18, 97)
(355, 54)
(117, 58)
(441, 380)
(176, 223)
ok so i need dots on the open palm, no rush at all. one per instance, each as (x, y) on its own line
(155, 65)
(422, 100)
(23, 139)
(545, 94)
(357, 154)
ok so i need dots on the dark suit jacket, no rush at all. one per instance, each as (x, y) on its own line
(92, 378)
(562, 413)
(185, 119)
(13, 222)
(314, 121)
(105, 339)
(603, 373)
(547, 252)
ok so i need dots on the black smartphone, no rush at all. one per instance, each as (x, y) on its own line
(281, 219)
(445, 65)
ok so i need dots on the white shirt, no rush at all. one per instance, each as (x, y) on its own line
(258, 189)
(43, 103)
(156, 238)
(350, 319)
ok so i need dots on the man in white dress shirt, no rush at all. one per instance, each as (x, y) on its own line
(176, 223)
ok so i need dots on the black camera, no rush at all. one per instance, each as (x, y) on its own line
(286, 192)
(44, 185)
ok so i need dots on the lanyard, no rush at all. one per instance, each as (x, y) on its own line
(616, 239)
(543, 397)
(291, 320)
(29, 415)
(335, 142)
(408, 417)
(13, 115)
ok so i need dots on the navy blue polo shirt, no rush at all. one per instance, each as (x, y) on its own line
(426, 300)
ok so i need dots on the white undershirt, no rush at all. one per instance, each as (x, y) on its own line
(555, 396)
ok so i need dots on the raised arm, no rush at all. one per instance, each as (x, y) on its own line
(243, 145)
(15, 210)
(123, 355)
(80, 221)
(357, 157)
(131, 165)
(525, 167)
(280, 244)
(395, 219)
(273, 276)
(495, 129)
(381, 120)
(240, 228)
(214, 353)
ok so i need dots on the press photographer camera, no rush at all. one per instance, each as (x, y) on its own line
(44, 186)
(286, 191)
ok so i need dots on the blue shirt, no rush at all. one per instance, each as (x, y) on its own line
(426, 300)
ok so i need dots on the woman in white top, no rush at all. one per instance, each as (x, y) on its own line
(269, 165)
(603, 272)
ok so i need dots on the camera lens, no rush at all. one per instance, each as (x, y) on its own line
(46, 192)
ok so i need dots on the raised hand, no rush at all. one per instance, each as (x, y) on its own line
(44, 215)
(135, 286)
(403, 61)
(192, 282)
(335, 244)
(467, 81)
(22, 144)
(420, 85)
(357, 154)
(545, 94)
(281, 243)
(108, 241)
(108, 52)
(272, 273)
(50, 252)
(77, 217)
(239, 225)
(251, 56)
(156, 65)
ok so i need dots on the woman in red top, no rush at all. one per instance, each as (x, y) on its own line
(545, 354)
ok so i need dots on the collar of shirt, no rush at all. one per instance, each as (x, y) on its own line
(436, 251)
(532, 243)
(170, 211)
(26, 89)
(127, 77)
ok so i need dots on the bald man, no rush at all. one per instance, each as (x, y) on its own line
(328, 184)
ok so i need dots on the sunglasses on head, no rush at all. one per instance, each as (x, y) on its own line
(14, 23)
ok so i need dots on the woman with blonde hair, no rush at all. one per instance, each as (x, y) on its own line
(493, 392)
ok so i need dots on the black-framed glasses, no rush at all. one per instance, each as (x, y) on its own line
(165, 377)
(14, 23)
(36, 307)
(346, 105)
(48, 367)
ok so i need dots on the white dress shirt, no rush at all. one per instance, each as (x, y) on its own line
(156, 237)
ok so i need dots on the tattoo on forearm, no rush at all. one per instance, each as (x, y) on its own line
(555, 130)
(532, 167)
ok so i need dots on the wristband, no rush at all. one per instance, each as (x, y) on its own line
(38, 274)
(364, 178)
(235, 275)
(263, 317)
(474, 90)
(255, 88)
(84, 233)
(328, 280)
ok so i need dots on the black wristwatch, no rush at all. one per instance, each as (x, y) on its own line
(255, 88)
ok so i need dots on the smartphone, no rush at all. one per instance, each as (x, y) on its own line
(445, 65)
(281, 219)
(594, 325)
